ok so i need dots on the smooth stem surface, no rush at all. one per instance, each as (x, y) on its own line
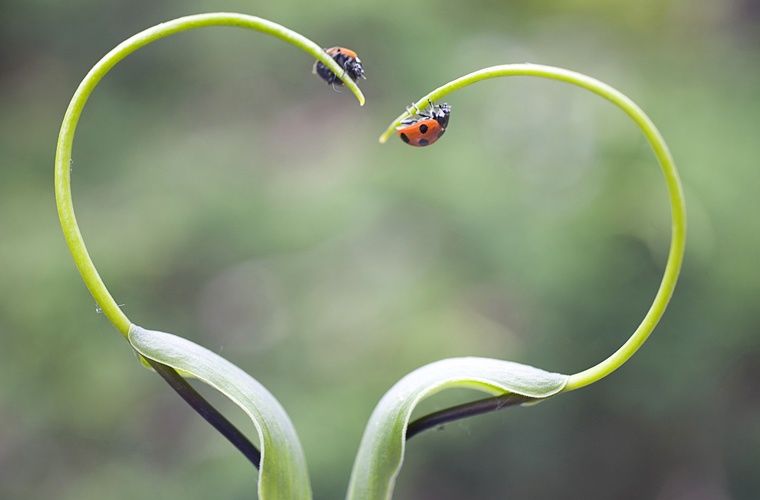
(675, 194)
(66, 137)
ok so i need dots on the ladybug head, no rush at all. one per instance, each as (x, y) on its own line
(354, 69)
(441, 113)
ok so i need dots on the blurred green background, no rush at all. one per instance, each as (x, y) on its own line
(229, 196)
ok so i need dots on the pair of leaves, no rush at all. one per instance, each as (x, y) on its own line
(282, 471)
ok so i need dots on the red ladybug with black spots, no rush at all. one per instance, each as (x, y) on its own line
(425, 128)
(346, 59)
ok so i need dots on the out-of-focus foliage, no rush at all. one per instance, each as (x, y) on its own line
(255, 206)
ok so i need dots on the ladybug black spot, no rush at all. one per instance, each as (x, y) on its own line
(424, 142)
(423, 128)
(404, 138)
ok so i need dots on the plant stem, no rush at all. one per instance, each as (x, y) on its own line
(465, 410)
(66, 137)
(208, 412)
(65, 205)
(675, 194)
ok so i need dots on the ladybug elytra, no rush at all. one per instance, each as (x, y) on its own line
(425, 128)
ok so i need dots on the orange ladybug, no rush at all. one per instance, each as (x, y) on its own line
(425, 128)
(346, 59)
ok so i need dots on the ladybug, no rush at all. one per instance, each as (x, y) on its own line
(425, 128)
(346, 59)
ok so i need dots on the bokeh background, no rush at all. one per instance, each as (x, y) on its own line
(229, 196)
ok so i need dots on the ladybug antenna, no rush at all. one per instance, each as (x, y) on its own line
(360, 70)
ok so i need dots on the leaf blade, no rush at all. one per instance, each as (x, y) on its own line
(282, 471)
(381, 451)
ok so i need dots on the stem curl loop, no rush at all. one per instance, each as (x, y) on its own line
(66, 137)
(665, 159)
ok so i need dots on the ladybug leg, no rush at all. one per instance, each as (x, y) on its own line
(431, 108)
(416, 110)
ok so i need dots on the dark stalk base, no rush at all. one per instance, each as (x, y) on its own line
(208, 412)
(465, 410)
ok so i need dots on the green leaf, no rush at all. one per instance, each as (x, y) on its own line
(282, 472)
(381, 452)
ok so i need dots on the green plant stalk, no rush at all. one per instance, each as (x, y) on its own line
(662, 153)
(66, 137)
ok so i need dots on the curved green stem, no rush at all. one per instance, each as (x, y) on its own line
(66, 137)
(675, 193)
